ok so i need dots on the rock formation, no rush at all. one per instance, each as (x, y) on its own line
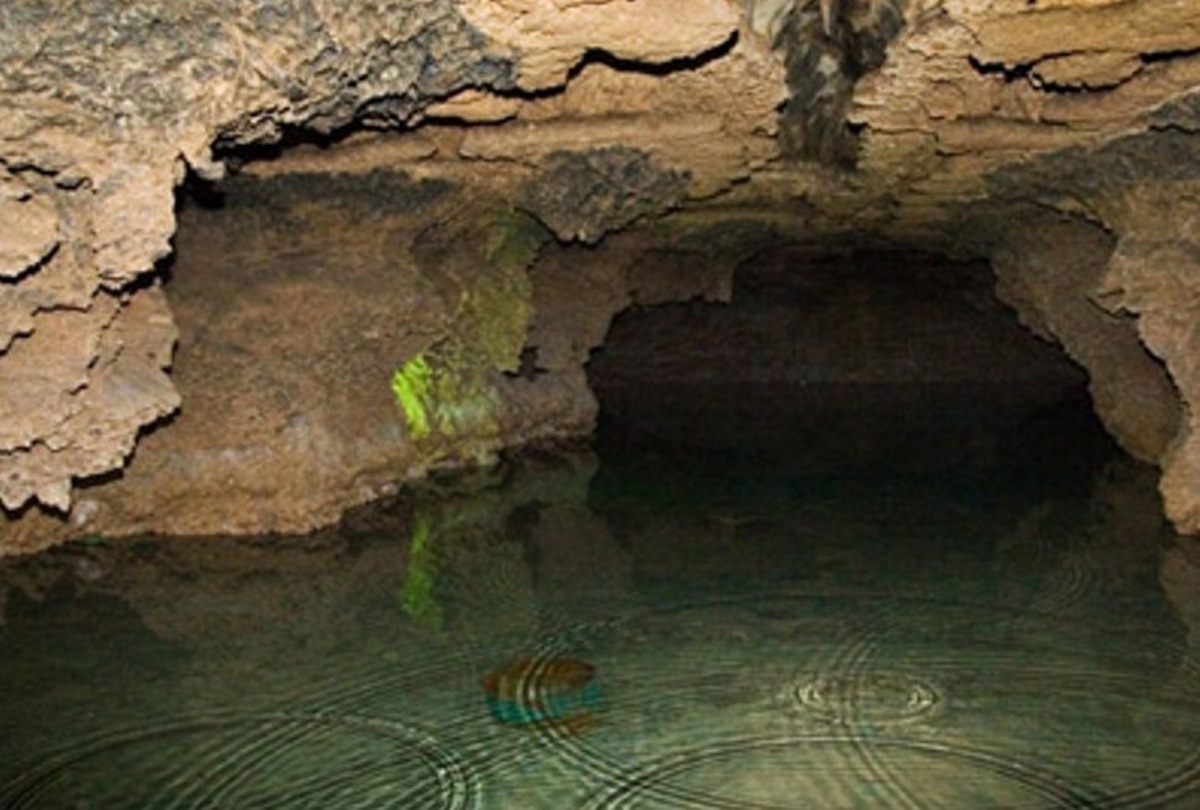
(409, 223)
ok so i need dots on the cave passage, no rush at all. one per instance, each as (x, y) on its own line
(851, 362)
(888, 392)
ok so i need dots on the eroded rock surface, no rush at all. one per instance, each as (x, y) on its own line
(1052, 276)
(1047, 137)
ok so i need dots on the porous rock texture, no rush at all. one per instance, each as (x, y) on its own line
(497, 168)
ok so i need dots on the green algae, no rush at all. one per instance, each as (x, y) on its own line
(448, 392)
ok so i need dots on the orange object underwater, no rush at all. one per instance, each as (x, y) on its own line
(532, 691)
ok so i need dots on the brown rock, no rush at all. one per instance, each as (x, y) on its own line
(1051, 274)
(553, 35)
(28, 233)
(1091, 70)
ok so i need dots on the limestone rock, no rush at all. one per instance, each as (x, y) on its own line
(585, 195)
(552, 36)
(1052, 274)
(1091, 70)
(1154, 274)
(28, 233)
(103, 111)
(113, 364)
(475, 106)
(1030, 35)
(133, 220)
(715, 122)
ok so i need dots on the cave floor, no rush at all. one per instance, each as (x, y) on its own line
(689, 629)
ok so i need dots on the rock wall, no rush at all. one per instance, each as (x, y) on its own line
(1133, 284)
(1052, 275)
(1152, 275)
(937, 123)
(104, 112)
(101, 112)
(330, 351)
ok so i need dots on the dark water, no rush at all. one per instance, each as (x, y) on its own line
(760, 634)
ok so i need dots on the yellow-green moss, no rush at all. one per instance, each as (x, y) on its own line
(498, 306)
(411, 384)
(462, 399)
(495, 322)
(449, 388)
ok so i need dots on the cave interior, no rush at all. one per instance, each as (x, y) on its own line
(600, 403)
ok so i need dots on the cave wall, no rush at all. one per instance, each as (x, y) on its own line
(342, 333)
(1051, 277)
(104, 109)
(973, 128)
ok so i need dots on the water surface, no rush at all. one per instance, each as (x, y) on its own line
(763, 634)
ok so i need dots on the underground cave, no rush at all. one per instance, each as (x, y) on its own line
(599, 403)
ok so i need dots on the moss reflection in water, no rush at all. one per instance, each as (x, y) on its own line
(417, 598)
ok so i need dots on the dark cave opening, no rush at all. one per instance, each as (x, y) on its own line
(859, 362)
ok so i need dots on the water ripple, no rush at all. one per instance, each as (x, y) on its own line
(850, 703)
(773, 772)
(868, 698)
(264, 760)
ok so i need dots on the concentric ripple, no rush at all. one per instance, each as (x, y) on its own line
(775, 773)
(868, 698)
(262, 761)
(802, 700)
(711, 680)
(1068, 587)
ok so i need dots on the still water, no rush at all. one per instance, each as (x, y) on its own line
(645, 628)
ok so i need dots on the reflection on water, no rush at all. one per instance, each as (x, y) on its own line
(668, 631)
